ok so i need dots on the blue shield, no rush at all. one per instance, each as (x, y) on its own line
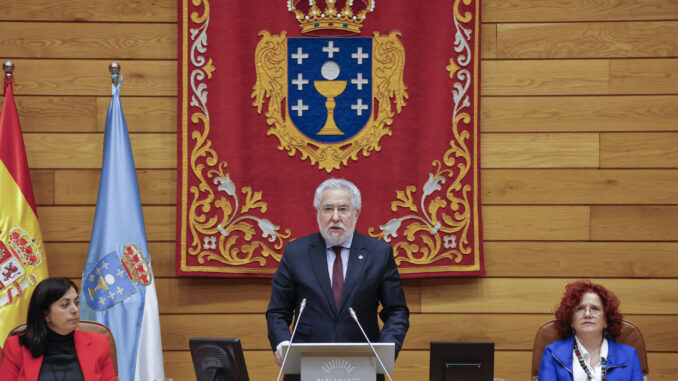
(347, 63)
(108, 283)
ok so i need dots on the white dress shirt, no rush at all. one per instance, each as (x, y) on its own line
(596, 371)
(331, 256)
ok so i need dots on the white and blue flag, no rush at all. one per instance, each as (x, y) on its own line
(118, 287)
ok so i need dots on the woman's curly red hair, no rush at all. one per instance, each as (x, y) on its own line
(571, 299)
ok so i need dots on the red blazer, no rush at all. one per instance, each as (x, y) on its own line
(94, 355)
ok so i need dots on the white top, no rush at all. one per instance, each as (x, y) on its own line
(596, 371)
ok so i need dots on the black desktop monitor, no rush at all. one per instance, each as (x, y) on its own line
(218, 359)
(461, 362)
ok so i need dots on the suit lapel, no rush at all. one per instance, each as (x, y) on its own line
(356, 262)
(318, 256)
(84, 352)
(32, 365)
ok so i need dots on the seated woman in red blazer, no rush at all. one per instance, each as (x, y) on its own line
(51, 348)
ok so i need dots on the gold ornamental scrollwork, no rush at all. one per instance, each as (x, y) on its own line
(437, 224)
(221, 230)
(388, 88)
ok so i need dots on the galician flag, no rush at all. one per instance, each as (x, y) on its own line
(22, 254)
(118, 287)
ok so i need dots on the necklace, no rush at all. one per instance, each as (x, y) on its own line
(603, 364)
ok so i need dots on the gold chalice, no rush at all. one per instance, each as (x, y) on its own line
(330, 89)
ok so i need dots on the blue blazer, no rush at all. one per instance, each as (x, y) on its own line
(371, 277)
(622, 362)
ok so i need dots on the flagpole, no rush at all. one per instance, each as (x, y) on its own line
(8, 67)
(114, 68)
(118, 257)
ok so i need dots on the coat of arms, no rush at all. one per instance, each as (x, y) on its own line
(18, 260)
(114, 278)
(330, 97)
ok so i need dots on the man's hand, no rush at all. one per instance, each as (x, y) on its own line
(278, 356)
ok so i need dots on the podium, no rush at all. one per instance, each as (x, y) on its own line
(338, 361)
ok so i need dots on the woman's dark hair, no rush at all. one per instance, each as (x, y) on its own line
(46, 292)
(571, 299)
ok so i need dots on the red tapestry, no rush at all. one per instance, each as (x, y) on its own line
(277, 96)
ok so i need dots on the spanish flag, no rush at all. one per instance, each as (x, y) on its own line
(22, 254)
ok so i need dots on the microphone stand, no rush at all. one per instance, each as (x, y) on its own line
(353, 315)
(301, 310)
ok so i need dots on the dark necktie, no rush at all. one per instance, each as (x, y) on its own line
(337, 276)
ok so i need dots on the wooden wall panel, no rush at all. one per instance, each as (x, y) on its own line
(87, 10)
(579, 186)
(538, 223)
(644, 76)
(81, 186)
(45, 114)
(634, 223)
(525, 295)
(580, 114)
(86, 150)
(88, 40)
(539, 150)
(576, 10)
(91, 77)
(579, 180)
(639, 150)
(43, 186)
(538, 77)
(488, 43)
(588, 40)
(142, 114)
(88, 114)
(74, 223)
(564, 259)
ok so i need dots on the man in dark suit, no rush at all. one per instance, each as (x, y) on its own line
(335, 269)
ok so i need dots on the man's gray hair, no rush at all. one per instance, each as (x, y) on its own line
(337, 184)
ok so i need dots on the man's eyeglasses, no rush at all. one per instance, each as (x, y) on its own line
(343, 211)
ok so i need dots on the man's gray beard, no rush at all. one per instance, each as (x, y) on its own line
(336, 242)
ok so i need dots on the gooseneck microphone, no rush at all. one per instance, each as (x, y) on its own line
(302, 306)
(353, 315)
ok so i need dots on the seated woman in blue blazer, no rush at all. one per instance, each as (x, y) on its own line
(588, 321)
(51, 348)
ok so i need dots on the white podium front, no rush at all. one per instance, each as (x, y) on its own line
(338, 361)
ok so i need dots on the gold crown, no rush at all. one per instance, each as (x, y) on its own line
(315, 21)
(25, 247)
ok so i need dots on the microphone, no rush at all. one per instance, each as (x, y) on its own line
(302, 306)
(353, 315)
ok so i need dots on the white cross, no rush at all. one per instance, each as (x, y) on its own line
(300, 82)
(359, 107)
(359, 55)
(120, 273)
(119, 290)
(330, 49)
(299, 56)
(359, 82)
(299, 108)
